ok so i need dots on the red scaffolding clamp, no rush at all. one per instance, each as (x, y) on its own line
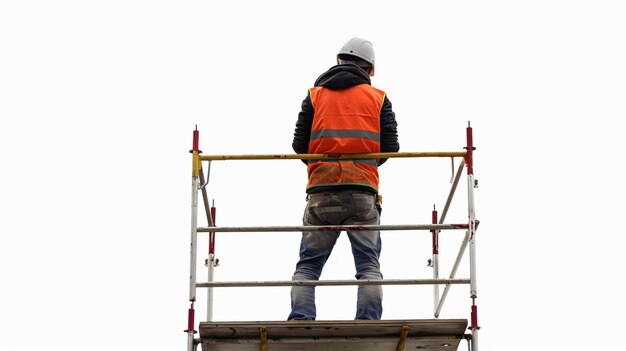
(469, 161)
(190, 321)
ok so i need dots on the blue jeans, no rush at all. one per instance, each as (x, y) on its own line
(339, 208)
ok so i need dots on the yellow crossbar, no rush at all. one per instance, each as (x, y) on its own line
(331, 157)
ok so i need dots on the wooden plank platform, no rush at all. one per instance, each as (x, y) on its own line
(362, 335)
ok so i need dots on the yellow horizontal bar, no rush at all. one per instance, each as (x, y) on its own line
(332, 157)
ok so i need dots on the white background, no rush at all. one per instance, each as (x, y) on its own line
(98, 101)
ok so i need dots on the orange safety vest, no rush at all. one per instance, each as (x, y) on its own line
(346, 121)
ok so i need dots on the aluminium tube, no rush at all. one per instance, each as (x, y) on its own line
(241, 284)
(195, 184)
(210, 214)
(205, 196)
(209, 308)
(457, 178)
(211, 266)
(472, 236)
(194, 228)
(334, 228)
(435, 262)
(471, 184)
(193, 252)
(474, 341)
(457, 262)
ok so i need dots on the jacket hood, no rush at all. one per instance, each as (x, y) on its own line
(343, 76)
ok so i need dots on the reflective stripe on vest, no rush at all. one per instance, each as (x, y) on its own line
(346, 121)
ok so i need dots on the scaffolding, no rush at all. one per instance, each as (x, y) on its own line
(424, 334)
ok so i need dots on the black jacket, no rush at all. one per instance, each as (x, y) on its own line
(341, 77)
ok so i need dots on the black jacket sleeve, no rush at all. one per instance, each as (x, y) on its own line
(388, 130)
(302, 134)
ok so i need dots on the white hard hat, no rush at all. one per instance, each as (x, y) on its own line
(360, 48)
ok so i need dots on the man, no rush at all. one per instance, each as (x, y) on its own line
(343, 114)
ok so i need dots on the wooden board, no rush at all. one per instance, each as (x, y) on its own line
(365, 335)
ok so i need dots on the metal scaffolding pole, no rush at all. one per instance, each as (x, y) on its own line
(471, 216)
(439, 300)
(300, 228)
(195, 185)
(331, 283)
(210, 216)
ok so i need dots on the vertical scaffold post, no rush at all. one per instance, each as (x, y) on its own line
(435, 262)
(471, 183)
(195, 185)
(211, 263)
